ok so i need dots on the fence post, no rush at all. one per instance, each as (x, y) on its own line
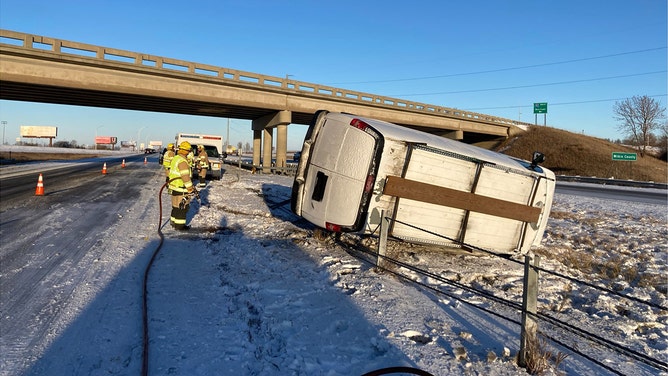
(529, 304)
(382, 241)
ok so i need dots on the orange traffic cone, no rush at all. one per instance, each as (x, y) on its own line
(39, 191)
(123, 164)
(145, 160)
(104, 168)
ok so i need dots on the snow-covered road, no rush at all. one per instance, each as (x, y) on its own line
(251, 291)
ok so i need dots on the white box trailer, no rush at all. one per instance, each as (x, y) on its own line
(435, 190)
(213, 145)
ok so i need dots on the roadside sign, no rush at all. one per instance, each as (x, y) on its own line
(540, 108)
(618, 156)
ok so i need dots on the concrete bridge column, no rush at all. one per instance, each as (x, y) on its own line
(281, 145)
(257, 147)
(268, 135)
(280, 120)
(455, 135)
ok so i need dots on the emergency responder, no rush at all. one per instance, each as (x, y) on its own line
(191, 159)
(180, 186)
(202, 165)
(167, 158)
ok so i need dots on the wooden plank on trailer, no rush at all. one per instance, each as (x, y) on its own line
(433, 194)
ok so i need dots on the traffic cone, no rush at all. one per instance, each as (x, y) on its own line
(39, 191)
(123, 164)
(145, 160)
(104, 169)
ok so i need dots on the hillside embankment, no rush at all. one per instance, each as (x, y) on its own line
(574, 154)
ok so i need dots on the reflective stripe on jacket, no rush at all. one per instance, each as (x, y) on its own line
(179, 170)
(203, 160)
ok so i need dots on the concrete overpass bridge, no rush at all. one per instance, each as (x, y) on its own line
(42, 69)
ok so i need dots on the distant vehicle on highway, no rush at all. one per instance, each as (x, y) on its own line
(162, 156)
(149, 151)
(296, 156)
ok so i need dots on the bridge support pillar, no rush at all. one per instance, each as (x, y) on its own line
(265, 125)
(268, 141)
(257, 146)
(455, 135)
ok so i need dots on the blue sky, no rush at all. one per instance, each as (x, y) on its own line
(494, 57)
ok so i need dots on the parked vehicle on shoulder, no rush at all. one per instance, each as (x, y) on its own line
(214, 149)
(354, 170)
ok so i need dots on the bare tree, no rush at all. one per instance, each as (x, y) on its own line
(639, 117)
(663, 141)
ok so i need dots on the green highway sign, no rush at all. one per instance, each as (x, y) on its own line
(618, 156)
(540, 108)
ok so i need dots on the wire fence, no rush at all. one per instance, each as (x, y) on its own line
(383, 261)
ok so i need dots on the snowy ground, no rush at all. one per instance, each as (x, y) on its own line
(250, 291)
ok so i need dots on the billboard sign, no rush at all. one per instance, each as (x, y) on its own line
(105, 140)
(39, 131)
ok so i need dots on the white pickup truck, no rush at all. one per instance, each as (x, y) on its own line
(214, 149)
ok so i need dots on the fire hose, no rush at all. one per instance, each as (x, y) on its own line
(145, 344)
(188, 197)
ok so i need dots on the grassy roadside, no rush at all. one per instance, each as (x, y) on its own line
(574, 154)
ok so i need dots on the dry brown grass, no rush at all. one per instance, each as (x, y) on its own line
(540, 360)
(574, 154)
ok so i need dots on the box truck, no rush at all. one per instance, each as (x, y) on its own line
(214, 150)
(354, 170)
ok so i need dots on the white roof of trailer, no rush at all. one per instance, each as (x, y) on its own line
(400, 133)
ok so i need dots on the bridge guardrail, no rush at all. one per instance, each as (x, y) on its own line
(289, 170)
(106, 54)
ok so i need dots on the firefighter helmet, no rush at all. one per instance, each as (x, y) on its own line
(170, 146)
(185, 145)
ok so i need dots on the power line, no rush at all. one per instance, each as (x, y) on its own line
(533, 85)
(503, 69)
(559, 104)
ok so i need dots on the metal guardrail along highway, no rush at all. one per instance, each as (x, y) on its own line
(15, 43)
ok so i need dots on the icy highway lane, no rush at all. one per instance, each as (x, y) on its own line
(53, 245)
(612, 192)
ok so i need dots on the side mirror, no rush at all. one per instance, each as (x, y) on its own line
(537, 158)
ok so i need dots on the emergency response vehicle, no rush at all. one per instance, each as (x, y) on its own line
(353, 170)
(214, 149)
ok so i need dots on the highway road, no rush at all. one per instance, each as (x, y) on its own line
(47, 241)
(612, 192)
(20, 180)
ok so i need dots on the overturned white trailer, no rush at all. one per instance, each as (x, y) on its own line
(435, 190)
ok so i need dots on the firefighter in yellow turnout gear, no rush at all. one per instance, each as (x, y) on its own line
(180, 186)
(167, 159)
(202, 162)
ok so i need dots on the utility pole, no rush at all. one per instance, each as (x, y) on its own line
(139, 137)
(4, 123)
(95, 142)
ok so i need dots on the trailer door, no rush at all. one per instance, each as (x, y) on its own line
(488, 206)
(339, 174)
